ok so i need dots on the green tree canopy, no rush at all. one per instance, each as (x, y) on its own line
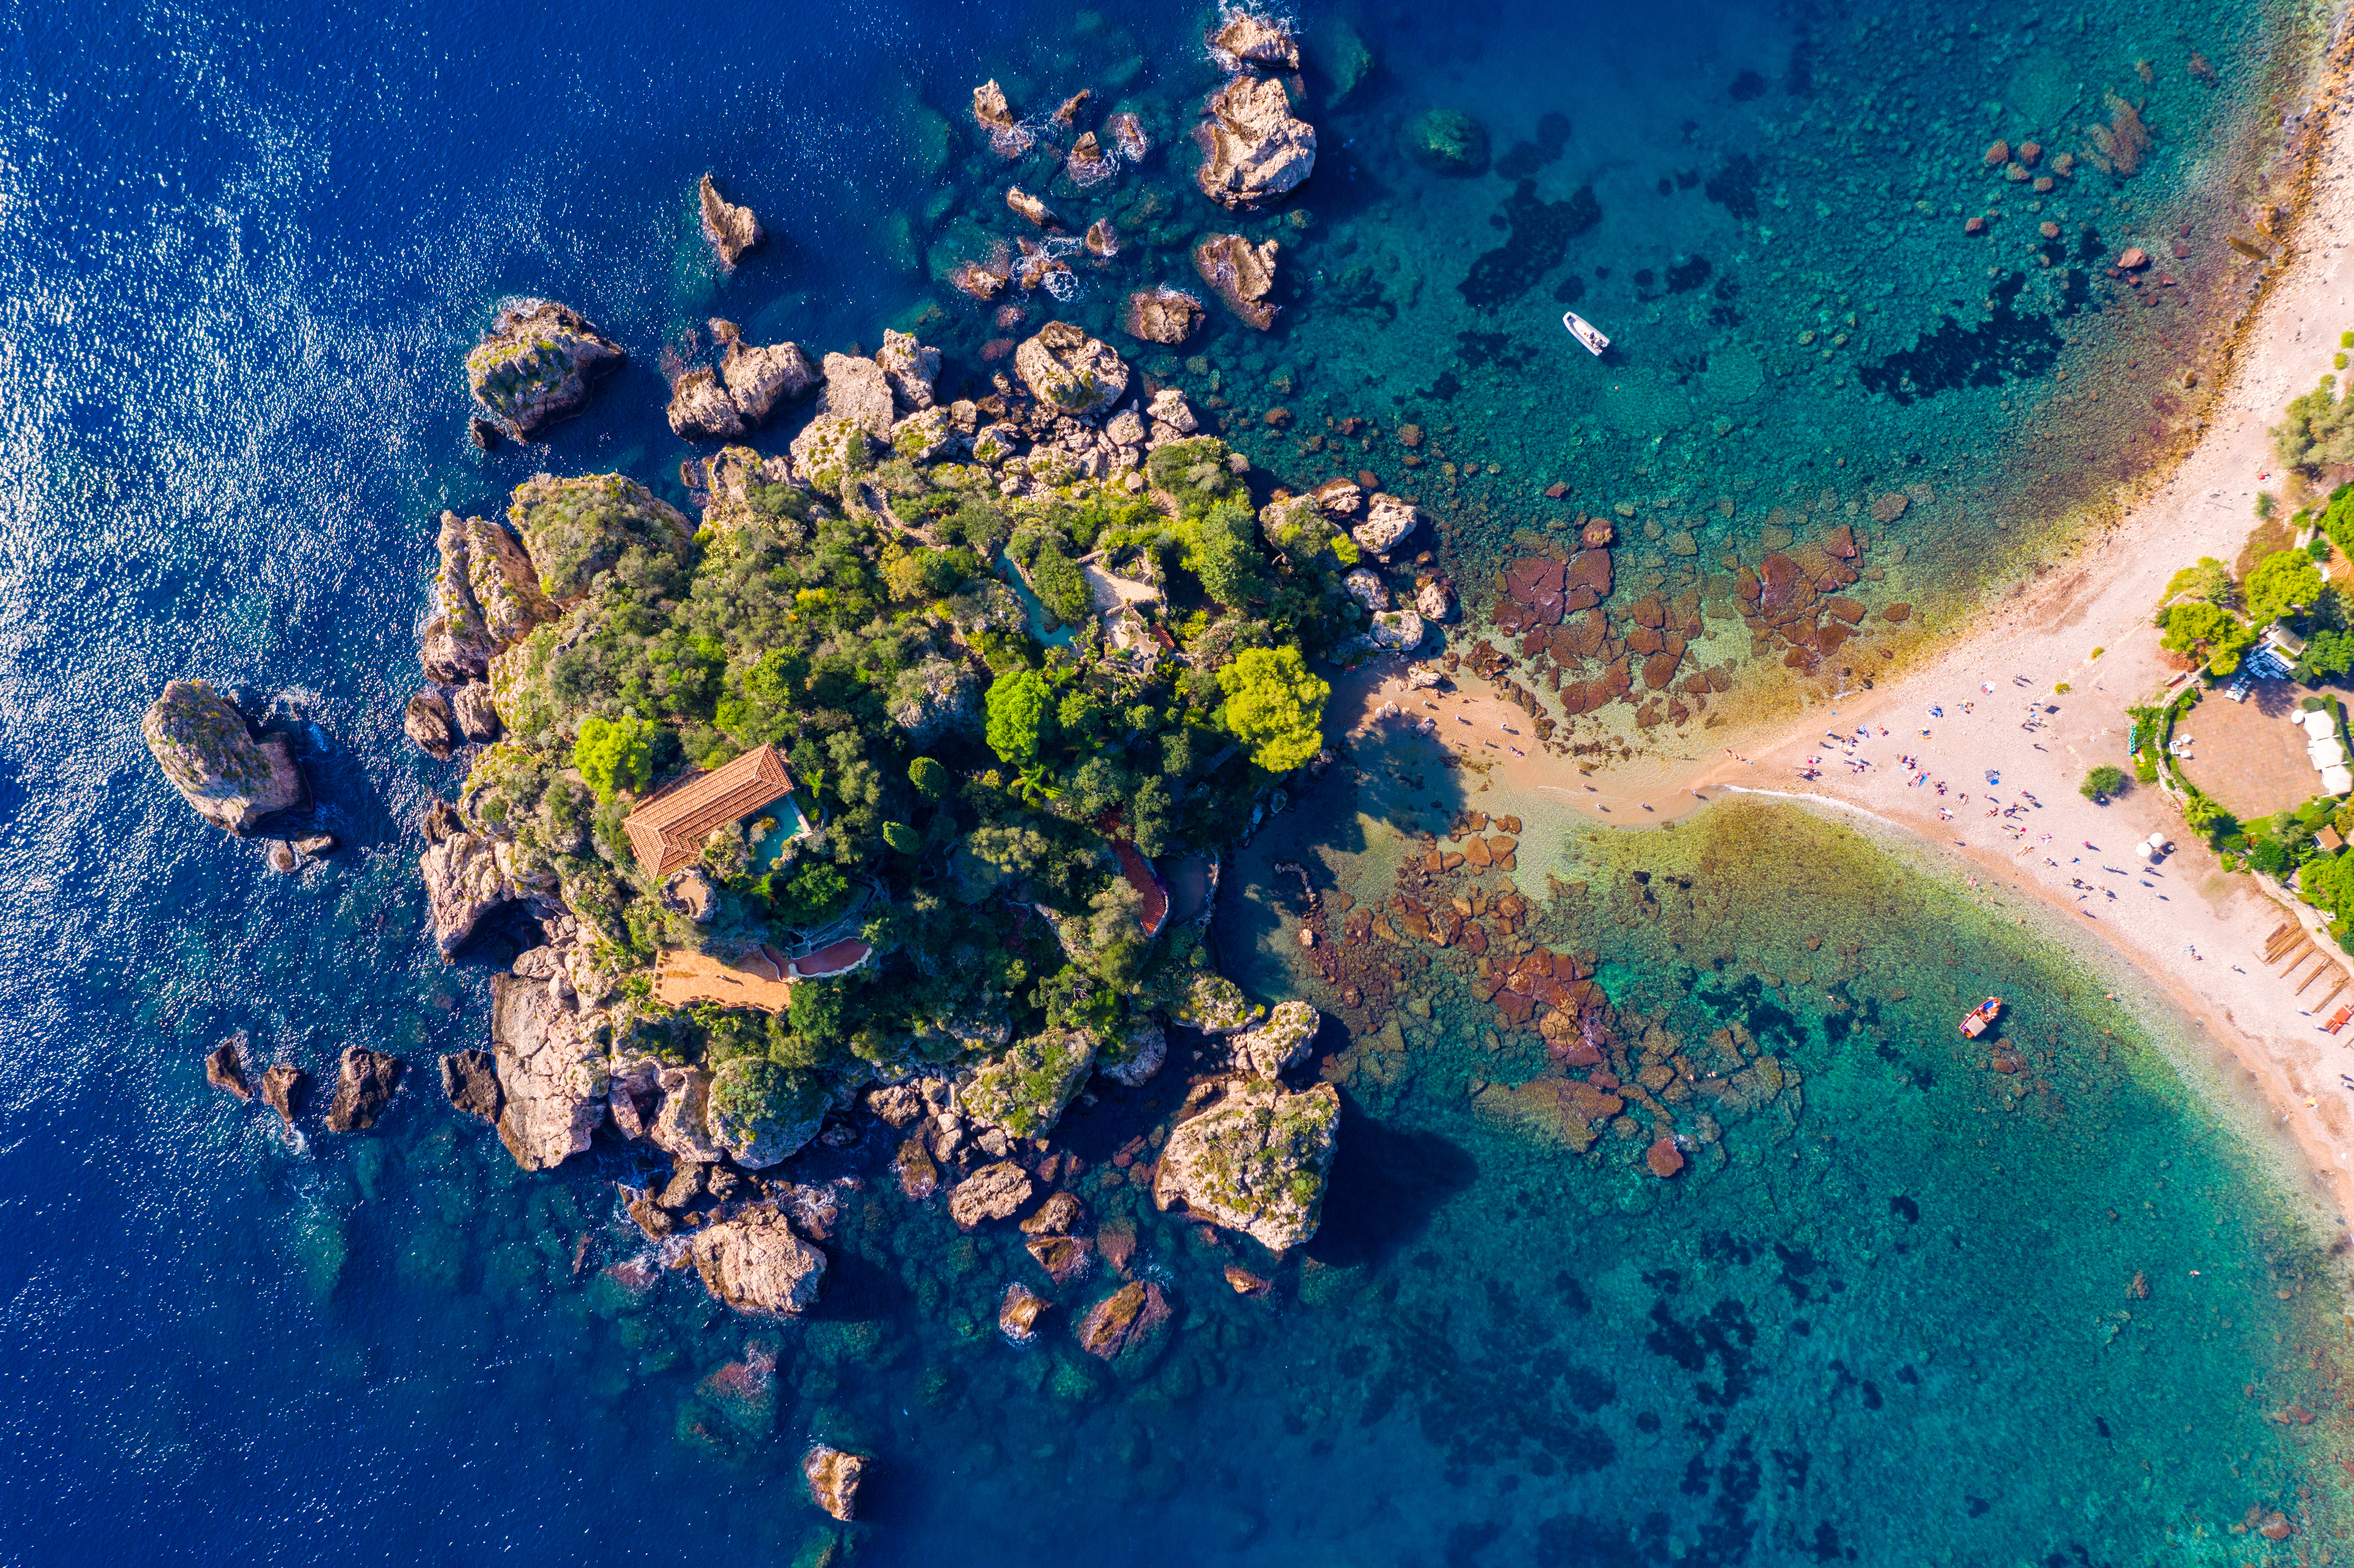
(2329, 884)
(2283, 581)
(2207, 579)
(1274, 705)
(613, 755)
(2198, 626)
(1020, 707)
(931, 780)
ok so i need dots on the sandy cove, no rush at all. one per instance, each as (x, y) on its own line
(2197, 932)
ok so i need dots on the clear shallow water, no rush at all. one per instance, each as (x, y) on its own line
(242, 254)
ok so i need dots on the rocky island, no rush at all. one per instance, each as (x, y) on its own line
(848, 806)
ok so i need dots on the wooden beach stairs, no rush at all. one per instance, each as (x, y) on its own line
(2291, 946)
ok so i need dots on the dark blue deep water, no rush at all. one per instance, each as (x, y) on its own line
(242, 250)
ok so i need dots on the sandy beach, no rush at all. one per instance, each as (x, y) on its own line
(1990, 704)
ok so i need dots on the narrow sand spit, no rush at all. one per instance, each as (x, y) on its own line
(2197, 932)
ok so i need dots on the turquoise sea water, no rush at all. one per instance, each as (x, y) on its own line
(243, 252)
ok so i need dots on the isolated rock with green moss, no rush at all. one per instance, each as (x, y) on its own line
(1254, 1161)
(538, 363)
(207, 751)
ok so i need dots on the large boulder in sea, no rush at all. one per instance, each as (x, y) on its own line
(759, 378)
(1242, 274)
(731, 230)
(1388, 522)
(209, 753)
(834, 1475)
(1247, 41)
(1256, 1162)
(538, 363)
(859, 391)
(1162, 315)
(1254, 149)
(757, 1265)
(1071, 373)
(761, 1113)
(553, 1073)
(700, 409)
(1024, 1091)
(364, 1081)
(1128, 1329)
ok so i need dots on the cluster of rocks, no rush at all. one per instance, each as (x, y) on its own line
(364, 1083)
(1255, 150)
(1071, 409)
(708, 404)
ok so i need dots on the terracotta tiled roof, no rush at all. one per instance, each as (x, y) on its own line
(837, 958)
(670, 829)
(1149, 887)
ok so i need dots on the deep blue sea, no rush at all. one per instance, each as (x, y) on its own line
(243, 248)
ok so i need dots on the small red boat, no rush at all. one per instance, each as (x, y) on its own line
(2337, 1019)
(1975, 1022)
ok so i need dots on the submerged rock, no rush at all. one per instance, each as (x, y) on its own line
(470, 1079)
(1448, 141)
(1127, 1329)
(757, 1264)
(834, 1477)
(1162, 315)
(208, 754)
(1073, 373)
(1253, 148)
(539, 363)
(364, 1081)
(731, 230)
(1242, 274)
(1254, 1161)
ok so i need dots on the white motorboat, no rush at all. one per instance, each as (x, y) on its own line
(1585, 332)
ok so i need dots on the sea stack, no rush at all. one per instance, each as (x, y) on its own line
(731, 230)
